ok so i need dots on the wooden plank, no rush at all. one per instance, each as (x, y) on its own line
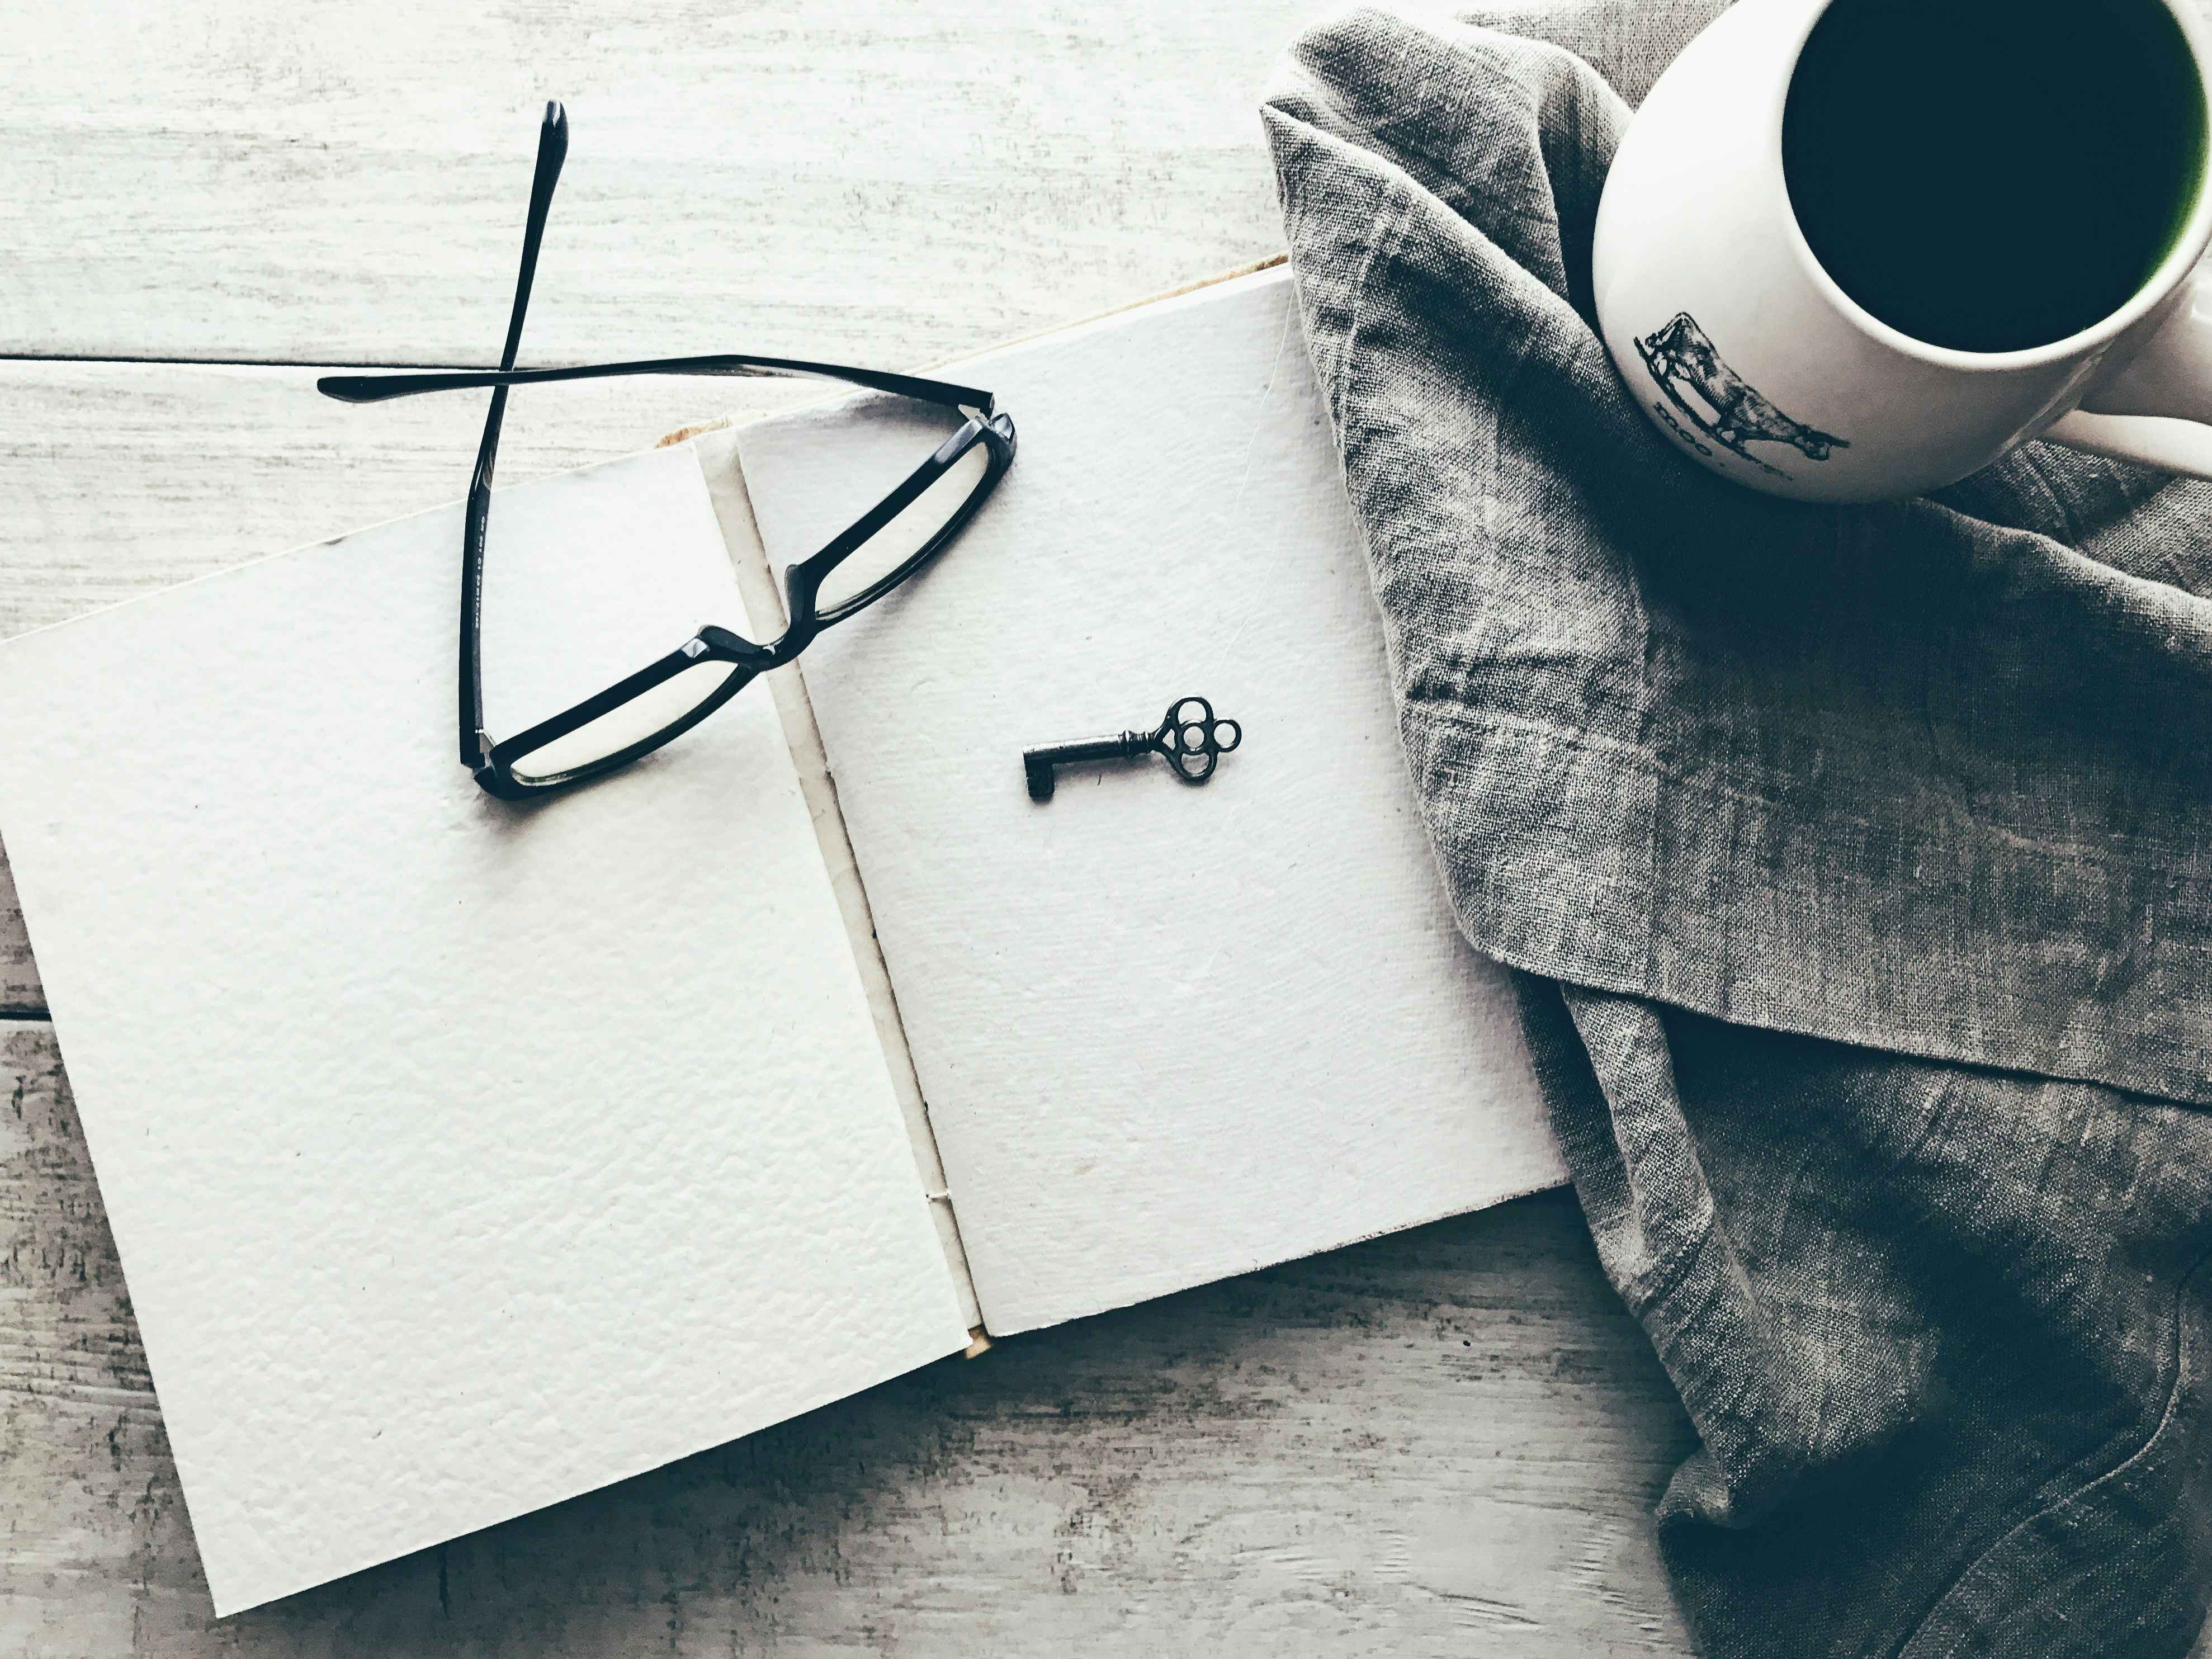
(20, 991)
(1439, 1441)
(872, 180)
(127, 478)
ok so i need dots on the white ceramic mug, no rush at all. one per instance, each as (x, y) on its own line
(1744, 350)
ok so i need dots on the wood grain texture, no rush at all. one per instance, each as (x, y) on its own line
(124, 478)
(1445, 1442)
(20, 991)
(874, 179)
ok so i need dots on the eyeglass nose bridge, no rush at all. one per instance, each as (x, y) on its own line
(726, 647)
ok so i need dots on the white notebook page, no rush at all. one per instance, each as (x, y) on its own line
(1165, 1033)
(461, 1157)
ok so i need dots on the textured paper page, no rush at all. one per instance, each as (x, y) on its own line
(460, 1158)
(1165, 1033)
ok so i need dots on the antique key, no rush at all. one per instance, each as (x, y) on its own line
(1190, 737)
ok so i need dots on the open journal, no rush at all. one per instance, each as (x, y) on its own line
(464, 1157)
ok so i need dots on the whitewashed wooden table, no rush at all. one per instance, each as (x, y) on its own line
(1444, 1442)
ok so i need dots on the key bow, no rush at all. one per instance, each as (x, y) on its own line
(1195, 743)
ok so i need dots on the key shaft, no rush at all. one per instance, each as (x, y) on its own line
(1189, 737)
(1038, 764)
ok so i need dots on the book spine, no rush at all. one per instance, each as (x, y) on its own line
(726, 486)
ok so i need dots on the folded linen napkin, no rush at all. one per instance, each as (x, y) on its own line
(1856, 864)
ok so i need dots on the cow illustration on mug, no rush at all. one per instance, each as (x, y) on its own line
(1719, 402)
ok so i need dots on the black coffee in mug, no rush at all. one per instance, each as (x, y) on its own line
(1993, 175)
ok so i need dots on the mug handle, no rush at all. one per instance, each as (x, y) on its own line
(2157, 406)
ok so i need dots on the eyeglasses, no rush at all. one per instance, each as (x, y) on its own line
(630, 719)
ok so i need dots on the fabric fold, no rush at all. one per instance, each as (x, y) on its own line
(1856, 865)
(1929, 776)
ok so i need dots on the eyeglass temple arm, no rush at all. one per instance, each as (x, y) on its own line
(552, 151)
(375, 388)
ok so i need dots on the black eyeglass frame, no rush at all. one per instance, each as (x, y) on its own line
(493, 764)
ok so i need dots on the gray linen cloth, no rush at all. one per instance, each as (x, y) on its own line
(1857, 865)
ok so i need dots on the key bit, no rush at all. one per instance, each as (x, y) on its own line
(1190, 737)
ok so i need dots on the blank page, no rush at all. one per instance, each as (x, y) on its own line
(461, 1157)
(1166, 1033)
